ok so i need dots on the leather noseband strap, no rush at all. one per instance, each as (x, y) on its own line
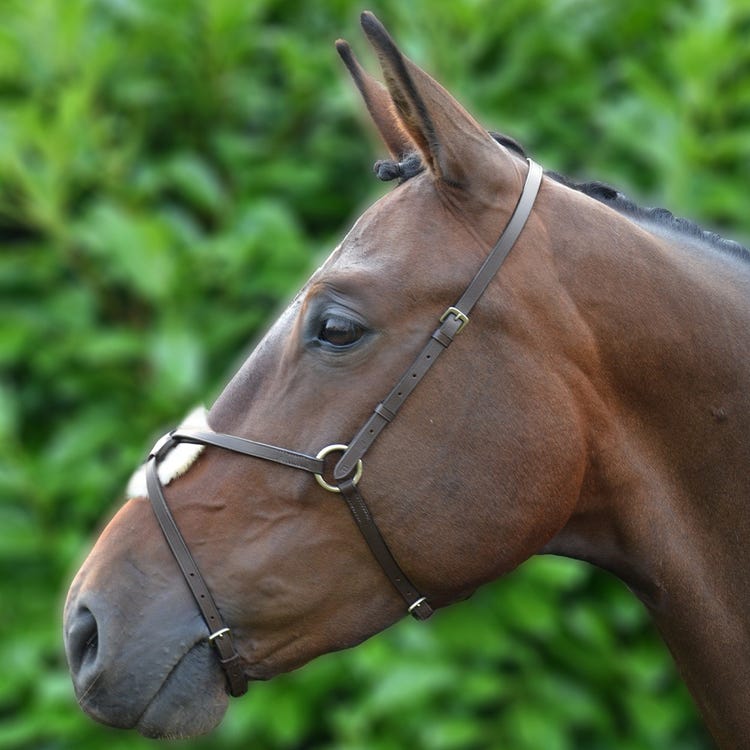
(348, 469)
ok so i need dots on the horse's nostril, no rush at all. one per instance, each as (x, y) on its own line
(89, 648)
(83, 640)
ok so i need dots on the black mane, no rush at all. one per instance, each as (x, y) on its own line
(660, 217)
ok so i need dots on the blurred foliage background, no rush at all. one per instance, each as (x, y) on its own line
(170, 171)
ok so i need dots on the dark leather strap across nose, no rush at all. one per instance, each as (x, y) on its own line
(251, 448)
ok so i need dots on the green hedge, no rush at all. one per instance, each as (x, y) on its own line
(170, 171)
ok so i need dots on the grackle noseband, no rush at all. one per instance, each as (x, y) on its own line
(348, 470)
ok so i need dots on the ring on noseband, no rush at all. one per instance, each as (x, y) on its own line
(319, 477)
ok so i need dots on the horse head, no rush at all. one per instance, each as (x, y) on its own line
(482, 468)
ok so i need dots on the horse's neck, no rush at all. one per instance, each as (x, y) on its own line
(666, 500)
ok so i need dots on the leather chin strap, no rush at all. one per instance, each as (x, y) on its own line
(348, 469)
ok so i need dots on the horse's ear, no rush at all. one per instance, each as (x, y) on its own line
(379, 104)
(454, 146)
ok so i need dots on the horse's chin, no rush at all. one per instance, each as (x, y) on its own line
(191, 701)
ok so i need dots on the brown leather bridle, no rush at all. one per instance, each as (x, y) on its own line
(348, 470)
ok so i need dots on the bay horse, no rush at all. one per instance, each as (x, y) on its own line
(586, 393)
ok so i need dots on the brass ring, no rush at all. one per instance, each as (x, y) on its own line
(322, 454)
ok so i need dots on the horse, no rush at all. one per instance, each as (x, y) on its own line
(579, 387)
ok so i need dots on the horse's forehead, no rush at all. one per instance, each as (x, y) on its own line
(394, 227)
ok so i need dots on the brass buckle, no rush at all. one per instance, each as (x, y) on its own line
(322, 454)
(462, 318)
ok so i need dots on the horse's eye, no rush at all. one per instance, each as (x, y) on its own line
(339, 331)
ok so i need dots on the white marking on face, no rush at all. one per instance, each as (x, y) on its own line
(177, 461)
